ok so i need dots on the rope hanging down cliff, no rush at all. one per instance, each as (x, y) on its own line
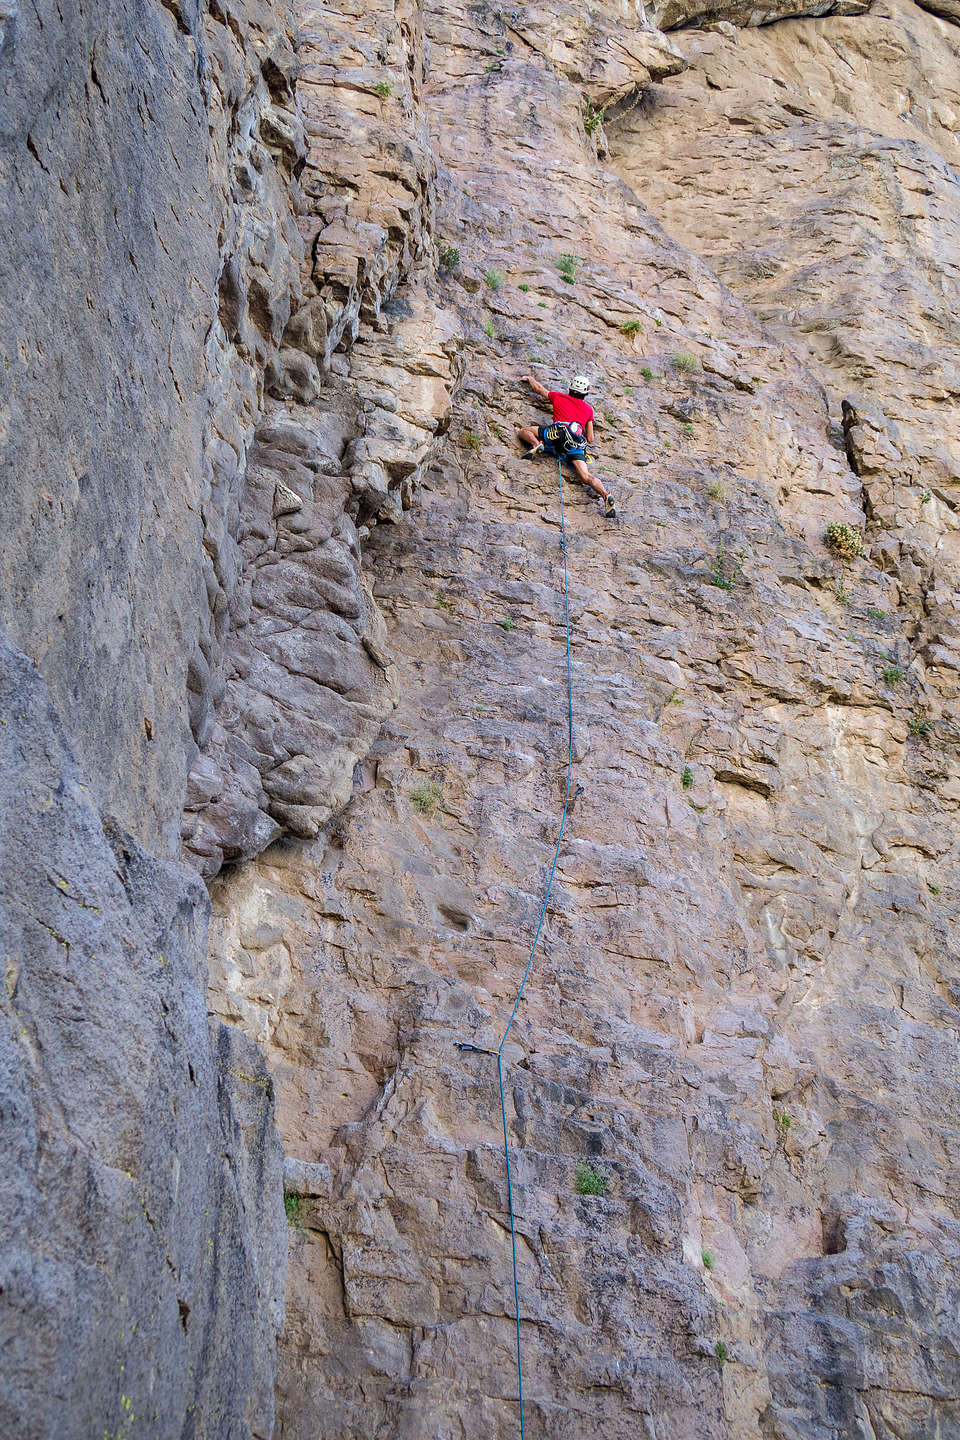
(533, 950)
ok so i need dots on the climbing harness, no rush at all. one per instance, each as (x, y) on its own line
(566, 438)
(478, 1050)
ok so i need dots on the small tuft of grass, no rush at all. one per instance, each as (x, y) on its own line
(293, 1207)
(717, 490)
(442, 603)
(686, 778)
(592, 119)
(842, 591)
(877, 614)
(472, 439)
(494, 278)
(919, 726)
(448, 257)
(675, 698)
(590, 1180)
(647, 373)
(687, 428)
(782, 1120)
(426, 796)
(525, 288)
(843, 540)
(707, 1258)
(721, 1352)
(567, 265)
(489, 328)
(658, 320)
(507, 624)
(631, 327)
(383, 88)
(926, 497)
(934, 889)
(893, 675)
(685, 362)
(628, 390)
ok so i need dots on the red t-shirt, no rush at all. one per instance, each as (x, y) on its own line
(568, 407)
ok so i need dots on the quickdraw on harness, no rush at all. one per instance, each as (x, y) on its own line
(566, 437)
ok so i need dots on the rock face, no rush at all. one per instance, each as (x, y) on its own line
(138, 1289)
(151, 258)
(743, 1012)
(307, 679)
(147, 154)
(279, 586)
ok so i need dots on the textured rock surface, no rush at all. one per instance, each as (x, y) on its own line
(146, 153)
(307, 677)
(744, 1010)
(151, 260)
(326, 245)
(140, 1289)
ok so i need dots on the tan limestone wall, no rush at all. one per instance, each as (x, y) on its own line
(744, 1010)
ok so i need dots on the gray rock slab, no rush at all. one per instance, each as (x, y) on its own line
(142, 1237)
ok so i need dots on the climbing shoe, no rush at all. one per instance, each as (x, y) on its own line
(609, 508)
(533, 452)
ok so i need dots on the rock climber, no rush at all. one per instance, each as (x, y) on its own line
(569, 435)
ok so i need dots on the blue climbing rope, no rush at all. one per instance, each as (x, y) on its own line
(533, 948)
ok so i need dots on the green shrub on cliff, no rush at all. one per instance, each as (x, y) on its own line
(589, 1180)
(567, 265)
(426, 797)
(844, 540)
(593, 119)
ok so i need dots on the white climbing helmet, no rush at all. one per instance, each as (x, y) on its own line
(579, 385)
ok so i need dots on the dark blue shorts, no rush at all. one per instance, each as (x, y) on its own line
(551, 448)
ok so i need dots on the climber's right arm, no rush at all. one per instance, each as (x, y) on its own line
(535, 385)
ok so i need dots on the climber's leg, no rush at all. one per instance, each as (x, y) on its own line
(530, 438)
(591, 481)
(597, 486)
